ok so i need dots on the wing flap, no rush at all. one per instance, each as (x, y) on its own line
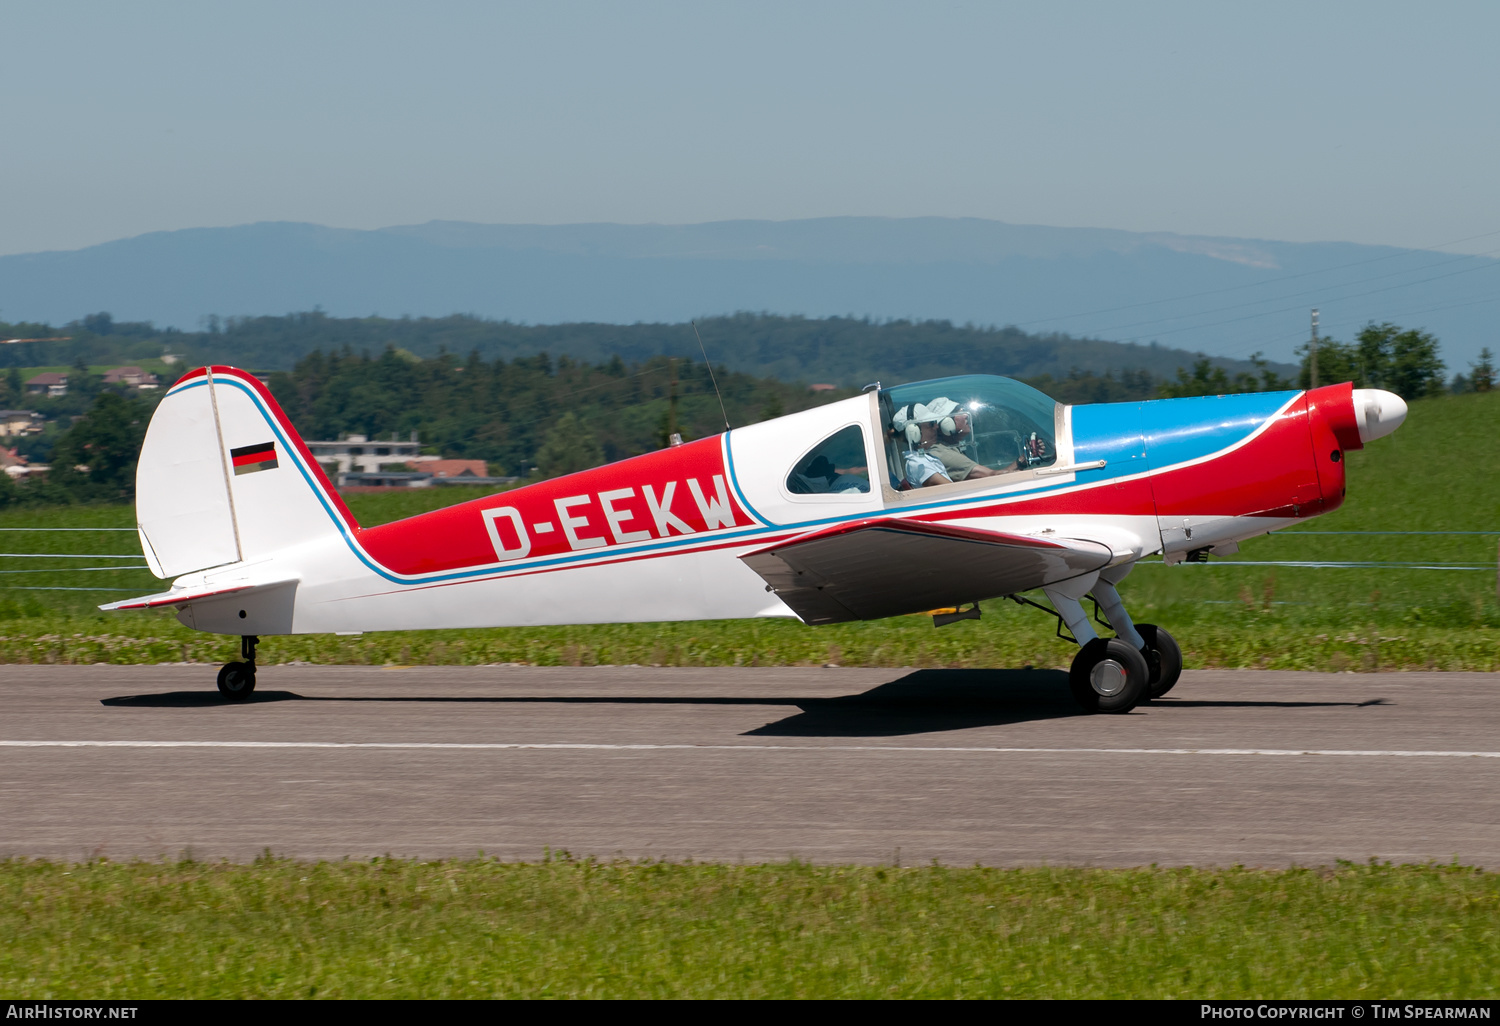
(868, 569)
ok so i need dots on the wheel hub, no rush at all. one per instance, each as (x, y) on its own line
(1107, 678)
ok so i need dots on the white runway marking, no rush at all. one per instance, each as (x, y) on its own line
(485, 746)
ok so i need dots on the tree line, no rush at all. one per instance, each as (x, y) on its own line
(846, 351)
(539, 416)
(1400, 360)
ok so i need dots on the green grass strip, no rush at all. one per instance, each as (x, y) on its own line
(564, 928)
(1233, 635)
(1422, 478)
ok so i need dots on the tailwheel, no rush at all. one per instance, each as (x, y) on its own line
(1109, 676)
(1162, 656)
(236, 681)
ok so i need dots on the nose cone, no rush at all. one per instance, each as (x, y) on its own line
(1378, 412)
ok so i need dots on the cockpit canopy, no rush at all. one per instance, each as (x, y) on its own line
(965, 427)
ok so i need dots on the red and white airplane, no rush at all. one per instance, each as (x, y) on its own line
(901, 500)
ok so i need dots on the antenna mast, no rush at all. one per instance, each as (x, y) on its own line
(673, 437)
(711, 373)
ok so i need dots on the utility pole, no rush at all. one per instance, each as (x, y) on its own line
(1312, 353)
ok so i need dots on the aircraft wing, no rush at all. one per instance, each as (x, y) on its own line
(868, 569)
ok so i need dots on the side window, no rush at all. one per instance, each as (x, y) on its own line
(836, 465)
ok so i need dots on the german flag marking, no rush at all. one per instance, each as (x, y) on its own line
(247, 459)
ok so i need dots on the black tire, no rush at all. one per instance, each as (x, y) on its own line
(1164, 658)
(236, 681)
(1109, 676)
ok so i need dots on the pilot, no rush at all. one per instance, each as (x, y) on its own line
(932, 432)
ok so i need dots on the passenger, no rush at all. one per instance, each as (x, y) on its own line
(822, 477)
(913, 425)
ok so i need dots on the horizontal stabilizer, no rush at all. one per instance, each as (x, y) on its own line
(869, 569)
(183, 596)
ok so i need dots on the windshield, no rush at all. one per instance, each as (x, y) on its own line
(965, 428)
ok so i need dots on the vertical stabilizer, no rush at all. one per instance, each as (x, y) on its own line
(224, 478)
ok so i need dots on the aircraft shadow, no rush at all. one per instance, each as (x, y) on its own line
(196, 699)
(1169, 702)
(931, 701)
(922, 702)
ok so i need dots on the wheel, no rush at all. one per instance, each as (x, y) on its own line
(1162, 656)
(1109, 676)
(236, 681)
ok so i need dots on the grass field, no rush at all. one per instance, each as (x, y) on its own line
(1432, 475)
(562, 928)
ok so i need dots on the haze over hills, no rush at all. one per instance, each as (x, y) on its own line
(1221, 296)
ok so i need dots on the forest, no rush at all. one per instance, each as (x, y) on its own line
(531, 415)
(845, 351)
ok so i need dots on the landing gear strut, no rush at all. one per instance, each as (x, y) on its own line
(1112, 674)
(237, 679)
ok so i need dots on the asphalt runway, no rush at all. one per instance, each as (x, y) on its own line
(824, 765)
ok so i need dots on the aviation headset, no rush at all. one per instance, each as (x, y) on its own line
(913, 422)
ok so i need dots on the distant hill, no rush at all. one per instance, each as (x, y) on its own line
(840, 351)
(1222, 296)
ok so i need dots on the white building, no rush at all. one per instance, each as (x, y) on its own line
(357, 454)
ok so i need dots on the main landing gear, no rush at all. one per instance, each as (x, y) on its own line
(1113, 675)
(237, 679)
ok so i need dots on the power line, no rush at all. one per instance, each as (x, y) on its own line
(1317, 292)
(1334, 565)
(32, 587)
(1259, 284)
(1237, 352)
(74, 569)
(1340, 299)
(70, 555)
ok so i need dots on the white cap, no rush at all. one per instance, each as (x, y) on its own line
(940, 408)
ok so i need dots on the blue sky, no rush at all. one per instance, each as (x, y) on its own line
(1367, 122)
